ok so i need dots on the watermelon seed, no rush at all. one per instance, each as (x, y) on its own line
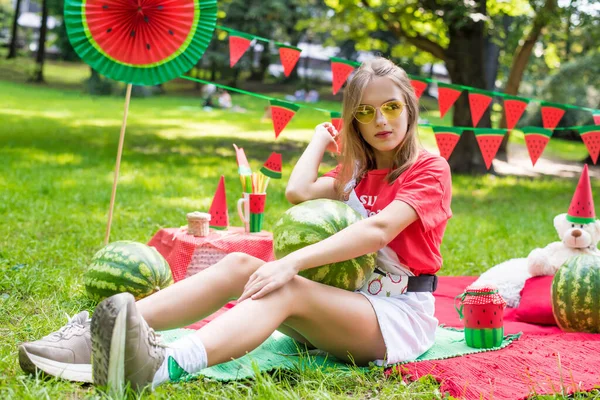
(146, 19)
(484, 310)
(160, 7)
(105, 7)
(170, 32)
(148, 46)
(109, 30)
(491, 322)
(132, 33)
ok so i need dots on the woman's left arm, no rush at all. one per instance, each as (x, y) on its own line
(366, 236)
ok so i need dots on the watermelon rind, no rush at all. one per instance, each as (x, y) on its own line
(170, 67)
(315, 220)
(126, 266)
(575, 293)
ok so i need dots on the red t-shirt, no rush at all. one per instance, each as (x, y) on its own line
(427, 187)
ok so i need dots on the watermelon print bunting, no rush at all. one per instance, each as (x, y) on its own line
(478, 103)
(447, 96)
(419, 85)
(514, 108)
(591, 138)
(446, 138)
(489, 141)
(289, 56)
(536, 139)
(551, 115)
(340, 70)
(282, 112)
(238, 44)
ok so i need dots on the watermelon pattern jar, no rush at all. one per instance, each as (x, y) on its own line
(482, 309)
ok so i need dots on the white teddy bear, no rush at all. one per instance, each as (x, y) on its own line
(575, 239)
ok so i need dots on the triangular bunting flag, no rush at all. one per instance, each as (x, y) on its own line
(219, 216)
(272, 167)
(282, 112)
(551, 115)
(446, 139)
(591, 138)
(478, 102)
(289, 56)
(489, 141)
(596, 116)
(514, 107)
(336, 120)
(419, 85)
(341, 70)
(581, 209)
(536, 139)
(446, 98)
(238, 44)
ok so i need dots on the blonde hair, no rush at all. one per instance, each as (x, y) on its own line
(357, 156)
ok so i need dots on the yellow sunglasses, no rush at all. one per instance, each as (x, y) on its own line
(390, 110)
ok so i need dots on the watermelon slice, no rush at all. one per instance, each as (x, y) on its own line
(289, 56)
(419, 85)
(257, 202)
(597, 118)
(446, 138)
(591, 138)
(282, 112)
(514, 107)
(478, 102)
(272, 167)
(536, 139)
(219, 216)
(447, 96)
(336, 120)
(551, 115)
(238, 44)
(581, 209)
(341, 70)
(242, 161)
(489, 141)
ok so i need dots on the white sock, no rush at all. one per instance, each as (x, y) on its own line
(188, 352)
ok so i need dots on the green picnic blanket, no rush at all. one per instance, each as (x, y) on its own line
(282, 352)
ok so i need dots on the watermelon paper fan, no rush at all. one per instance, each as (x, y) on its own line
(140, 42)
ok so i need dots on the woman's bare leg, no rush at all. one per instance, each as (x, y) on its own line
(198, 296)
(338, 321)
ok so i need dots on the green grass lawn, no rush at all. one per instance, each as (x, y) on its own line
(58, 152)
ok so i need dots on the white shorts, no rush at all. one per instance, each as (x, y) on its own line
(407, 324)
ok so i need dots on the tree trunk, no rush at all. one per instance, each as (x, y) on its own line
(521, 58)
(258, 75)
(12, 50)
(41, 53)
(464, 61)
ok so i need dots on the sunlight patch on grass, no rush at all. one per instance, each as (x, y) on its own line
(38, 113)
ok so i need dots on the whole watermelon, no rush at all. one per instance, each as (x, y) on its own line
(312, 221)
(127, 266)
(576, 294)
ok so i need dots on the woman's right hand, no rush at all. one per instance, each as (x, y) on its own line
(326, 135)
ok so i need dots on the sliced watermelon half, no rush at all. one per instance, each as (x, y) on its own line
(514, 107)
(551, 115)
(447, 96)
(596, 118)
(419, 86)
(238, 44)
(478, 103)
(489, 141)
(219, 216)
(536, 139)
(591, 138)
(272, 167)
(341, 70)
(446, 138)
(282, 112)
(289, 56)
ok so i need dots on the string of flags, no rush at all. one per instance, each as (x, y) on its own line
(447, 137)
